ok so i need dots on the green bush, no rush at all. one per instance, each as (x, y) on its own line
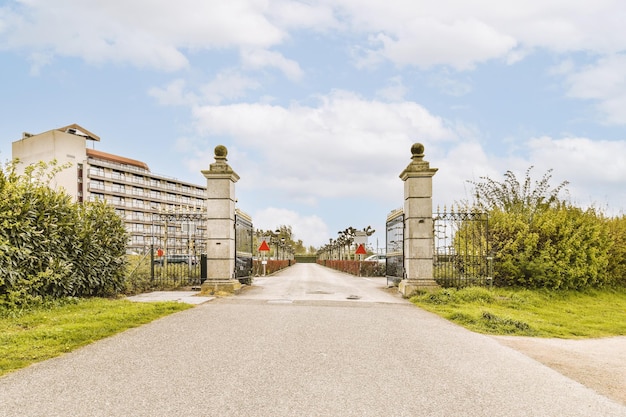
(100, 248)
(51, 246)
(617, 252)
(561, 247)
(540, 241)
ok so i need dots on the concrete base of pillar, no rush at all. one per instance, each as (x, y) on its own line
(408, 287)
(214, 286)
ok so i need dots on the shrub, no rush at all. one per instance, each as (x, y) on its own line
(616, 268)
(51, 246)
(558, 248)
(539, 241)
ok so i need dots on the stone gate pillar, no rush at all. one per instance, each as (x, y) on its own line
(220, 202)
(418, 218)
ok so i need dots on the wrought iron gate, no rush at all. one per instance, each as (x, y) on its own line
(243, 247)
(395, 247)
(461, 254)
(178, 244)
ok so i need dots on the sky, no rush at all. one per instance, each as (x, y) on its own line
(319, 102)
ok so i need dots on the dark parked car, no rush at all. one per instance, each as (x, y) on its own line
(176, 259)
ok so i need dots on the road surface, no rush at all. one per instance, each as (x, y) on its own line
(305, 342)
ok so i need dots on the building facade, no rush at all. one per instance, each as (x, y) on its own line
(159, 211)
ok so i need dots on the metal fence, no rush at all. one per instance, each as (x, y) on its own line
(178, 244)
(395, 248)
(461, 255)
(244, 247)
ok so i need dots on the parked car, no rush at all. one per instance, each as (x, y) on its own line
(377, 258)
(175, 259)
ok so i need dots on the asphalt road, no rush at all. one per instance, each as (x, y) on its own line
(306, 342)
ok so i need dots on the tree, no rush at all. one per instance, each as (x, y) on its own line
(282, 232)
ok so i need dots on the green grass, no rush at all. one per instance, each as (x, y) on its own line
(40, 334)
(541, 313)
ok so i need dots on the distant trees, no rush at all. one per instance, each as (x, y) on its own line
(541, 241)
(51, 246)
(282, 232)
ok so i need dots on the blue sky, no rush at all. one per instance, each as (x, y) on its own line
(319, 102)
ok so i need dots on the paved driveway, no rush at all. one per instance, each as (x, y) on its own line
(298, 344)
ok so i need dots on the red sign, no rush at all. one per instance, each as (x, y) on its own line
(159, 252)
(264, 247)
(361, 250)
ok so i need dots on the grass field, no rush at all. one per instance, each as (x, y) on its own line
(40, 334)
(568, 314)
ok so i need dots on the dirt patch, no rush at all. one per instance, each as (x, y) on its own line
(599, 364)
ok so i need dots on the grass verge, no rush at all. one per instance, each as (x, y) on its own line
(40, 334)
(541, 313)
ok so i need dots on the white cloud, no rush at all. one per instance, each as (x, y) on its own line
(394, 91)
(580, 161)
(140, 32)
(452, 86)
(298, 15)
(466, 161)
(605, 82)
(312, 230)
(173, 94)
(228, 85)
(427, 42)
(330, 157)
(346, 146)
(456, 33)
(595, 169)
(462, 33)
(261, 58)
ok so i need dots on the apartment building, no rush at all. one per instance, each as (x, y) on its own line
(158, 210)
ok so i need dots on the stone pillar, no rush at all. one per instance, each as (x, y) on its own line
(418, 218)
(220, 201)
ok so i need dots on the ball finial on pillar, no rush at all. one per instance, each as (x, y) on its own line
(221, 152)
(417, 150)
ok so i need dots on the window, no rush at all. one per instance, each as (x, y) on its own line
(96, 171)
(118, 175)
(97, 184)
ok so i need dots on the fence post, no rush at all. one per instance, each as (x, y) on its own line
(418, 217)
(220, 196)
